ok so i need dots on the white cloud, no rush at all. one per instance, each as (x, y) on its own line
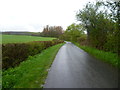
(33, 15)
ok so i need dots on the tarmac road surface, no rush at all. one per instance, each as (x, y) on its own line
(74, 68)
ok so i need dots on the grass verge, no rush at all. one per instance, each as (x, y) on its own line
(107, 57)
(32, 72)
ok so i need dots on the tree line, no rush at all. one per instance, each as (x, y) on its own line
(52, 31)
(101, 22)
(99, 27)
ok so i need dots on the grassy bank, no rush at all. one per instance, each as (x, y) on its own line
(32, 72)
(107, 57)
(22, 38)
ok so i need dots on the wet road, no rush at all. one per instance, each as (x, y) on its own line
(74, 68)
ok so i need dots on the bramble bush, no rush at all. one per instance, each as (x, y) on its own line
(14, 53)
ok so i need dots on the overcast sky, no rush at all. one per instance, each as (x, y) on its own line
(33, 15)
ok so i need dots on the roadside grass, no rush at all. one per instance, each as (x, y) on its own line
(0, 79)
(32, 72)
(107, 57)
(22, 38)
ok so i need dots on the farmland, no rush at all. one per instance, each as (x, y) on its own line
(27, 59)
(22, 38)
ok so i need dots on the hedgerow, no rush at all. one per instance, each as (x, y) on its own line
(14, 53)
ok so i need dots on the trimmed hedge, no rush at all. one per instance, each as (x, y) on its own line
(13, 54)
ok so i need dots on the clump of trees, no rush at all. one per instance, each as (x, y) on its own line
(102, 27)
(52, 31)
(74, 33)
(101, 21)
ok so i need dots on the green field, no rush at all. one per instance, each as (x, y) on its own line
(22, 38)
(32, 72)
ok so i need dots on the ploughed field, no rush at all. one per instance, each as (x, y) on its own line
(22, 38)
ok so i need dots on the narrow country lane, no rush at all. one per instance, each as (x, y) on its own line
(74, 68)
